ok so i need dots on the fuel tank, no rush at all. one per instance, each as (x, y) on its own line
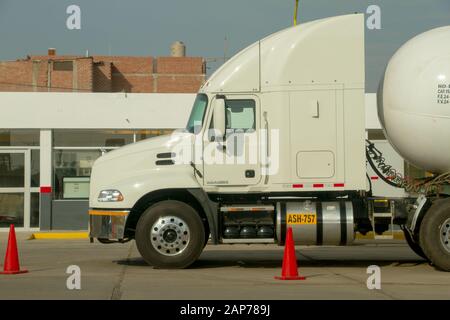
(316, 222)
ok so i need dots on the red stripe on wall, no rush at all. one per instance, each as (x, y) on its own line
(45, 189)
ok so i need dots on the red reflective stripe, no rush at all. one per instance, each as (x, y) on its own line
(46, 190)
(338, 185)
(318, 185)
(374, 178)
(297, 185)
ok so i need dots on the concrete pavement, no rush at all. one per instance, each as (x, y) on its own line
(116, 271)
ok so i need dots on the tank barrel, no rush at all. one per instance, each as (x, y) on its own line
(414, 101)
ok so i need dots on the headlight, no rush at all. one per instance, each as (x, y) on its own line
(110, 196)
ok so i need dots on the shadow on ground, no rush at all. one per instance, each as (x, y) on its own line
(273, 259)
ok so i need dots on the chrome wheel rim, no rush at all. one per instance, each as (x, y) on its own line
(445, 234)
(170, 235)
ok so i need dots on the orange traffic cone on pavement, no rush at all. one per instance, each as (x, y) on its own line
(11, 265)
(289, 270)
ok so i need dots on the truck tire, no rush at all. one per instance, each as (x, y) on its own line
(170, 234)
(414, 246)
(435, 234)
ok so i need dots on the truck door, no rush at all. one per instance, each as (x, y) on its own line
(234, 160)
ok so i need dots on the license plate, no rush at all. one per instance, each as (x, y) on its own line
(301, 218)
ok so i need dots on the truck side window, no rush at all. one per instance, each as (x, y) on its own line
(240, 115)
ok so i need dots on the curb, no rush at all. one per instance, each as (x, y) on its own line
(59, 235)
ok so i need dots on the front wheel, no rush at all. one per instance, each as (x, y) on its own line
(435, 234)
(170, 234)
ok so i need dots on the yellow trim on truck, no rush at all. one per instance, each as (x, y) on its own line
(108, 213)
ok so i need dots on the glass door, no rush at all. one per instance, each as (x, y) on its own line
(15, 188)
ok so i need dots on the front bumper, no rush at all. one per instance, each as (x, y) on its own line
(107, 224)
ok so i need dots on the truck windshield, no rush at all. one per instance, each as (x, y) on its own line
(197, 113)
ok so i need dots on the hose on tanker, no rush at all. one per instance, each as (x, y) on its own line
(392, 177)
(370, 184)
(386, 172)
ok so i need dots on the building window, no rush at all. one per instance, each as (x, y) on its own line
(75, 151)
(35, 168)
(34, 210)
(92, 138)
(69, 165)
(145, 134)
(11, 209)
(19, 138)
(12, 170)
(62, 66)
(74, 154)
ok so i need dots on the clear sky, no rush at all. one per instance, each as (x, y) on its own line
(148, 27)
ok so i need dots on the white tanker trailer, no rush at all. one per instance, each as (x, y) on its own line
(414, 100)
(414, 111)
(295, 102)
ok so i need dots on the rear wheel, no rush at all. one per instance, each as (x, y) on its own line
(170, 234)
(435, 234)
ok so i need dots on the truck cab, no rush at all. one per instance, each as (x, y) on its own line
(276, 138)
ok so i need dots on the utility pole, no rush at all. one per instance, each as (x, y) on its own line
(225, 49)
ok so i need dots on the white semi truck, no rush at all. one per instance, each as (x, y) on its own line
(276, 138)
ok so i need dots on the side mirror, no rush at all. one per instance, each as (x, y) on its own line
(219, 116)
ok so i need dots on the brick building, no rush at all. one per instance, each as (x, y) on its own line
(66, 132)
(53, 73)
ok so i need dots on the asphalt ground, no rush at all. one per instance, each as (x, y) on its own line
(116, 271)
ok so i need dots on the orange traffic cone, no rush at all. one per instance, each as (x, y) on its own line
(12, 256)
(289, 270)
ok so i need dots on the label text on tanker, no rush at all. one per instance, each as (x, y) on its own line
(443, 94)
